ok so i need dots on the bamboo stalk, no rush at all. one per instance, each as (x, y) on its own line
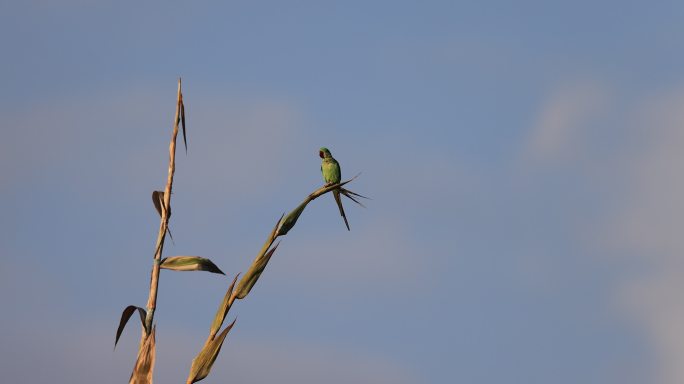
(165, 215)
(203, 362)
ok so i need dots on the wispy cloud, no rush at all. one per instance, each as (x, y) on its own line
(639, 212)
(563, 117)
(647, 230)
(628, 171)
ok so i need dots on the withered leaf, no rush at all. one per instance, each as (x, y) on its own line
(144, 365)
(250, 278)
(201, 365)
(125, 315)
(189, 263)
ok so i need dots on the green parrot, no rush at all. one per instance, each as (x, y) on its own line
(332, 174)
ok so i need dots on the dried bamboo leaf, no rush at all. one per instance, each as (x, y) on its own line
(350, 195)
(125, 316)
(250, 278)
(144, 365)
(289, 221)
(158, 201)
(223, 309)
(356, 194)
(201, 365)
(189, 263)
(274, 231)
(182, 116)
(168, 230)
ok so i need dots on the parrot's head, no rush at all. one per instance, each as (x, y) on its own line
(324, 152)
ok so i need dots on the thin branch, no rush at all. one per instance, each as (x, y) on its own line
(165, 215)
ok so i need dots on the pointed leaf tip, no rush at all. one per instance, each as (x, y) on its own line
(253, 273)
(190, 263)
(288, 222)
(125, 316)
(223, 309)
(182, 117)
(202, 363)
(158, 201)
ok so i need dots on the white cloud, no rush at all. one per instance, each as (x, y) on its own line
(654, 305)
(654, 215)
(563, 117)
(647, 229)
(630, 169)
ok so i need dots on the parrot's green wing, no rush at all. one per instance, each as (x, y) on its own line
(337, 170)
(330, 169)
(332, 174)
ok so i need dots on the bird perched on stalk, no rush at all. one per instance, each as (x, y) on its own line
(332, 174)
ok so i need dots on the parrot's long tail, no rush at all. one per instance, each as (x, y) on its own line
(338, 200)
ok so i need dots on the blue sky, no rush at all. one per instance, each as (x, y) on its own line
(523, 159)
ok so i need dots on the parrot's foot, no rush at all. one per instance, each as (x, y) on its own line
(328, 184)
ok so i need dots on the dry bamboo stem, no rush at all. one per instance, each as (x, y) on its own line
(202, 363)
(276, 231)
(271, 239)
(165, 215)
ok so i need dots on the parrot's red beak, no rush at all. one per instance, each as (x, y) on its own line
(320, 153)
